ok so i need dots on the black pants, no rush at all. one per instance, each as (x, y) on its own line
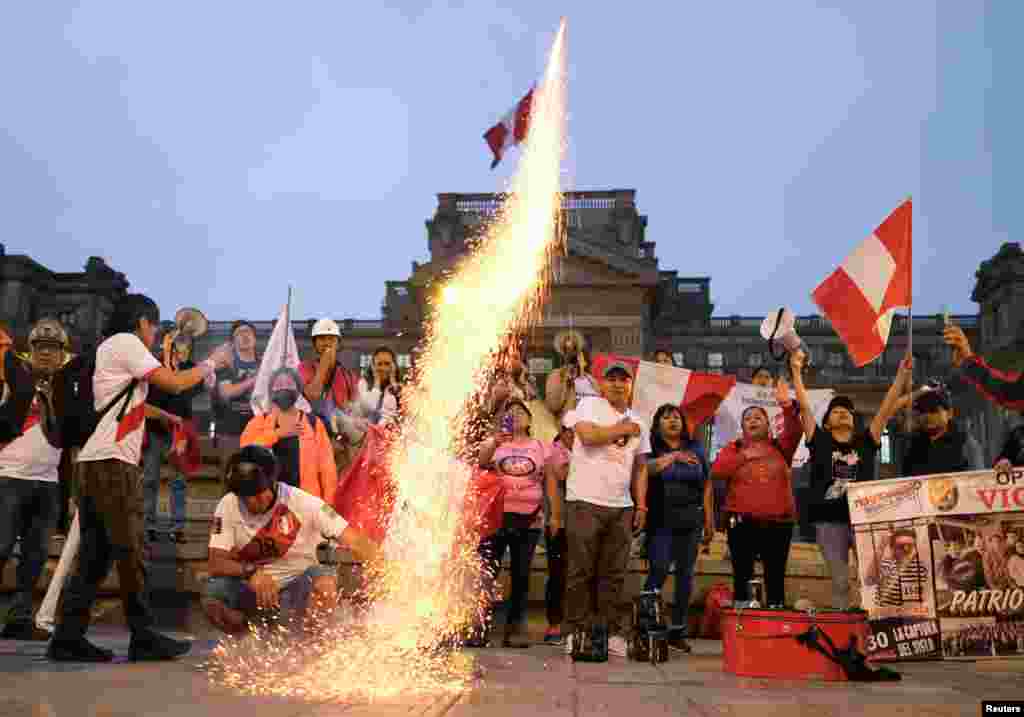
(768, 540)
(28, 510)
(554, 590)
(108, 515)
(521, 544)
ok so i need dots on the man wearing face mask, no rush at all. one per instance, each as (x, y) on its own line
(298, 439)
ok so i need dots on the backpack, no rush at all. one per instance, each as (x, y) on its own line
(19, 391)
(76, 403)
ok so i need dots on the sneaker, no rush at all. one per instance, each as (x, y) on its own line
(80, 650)
(25, 631)
(680, 643)
(617, 646)
(148, 645)
(553, 636)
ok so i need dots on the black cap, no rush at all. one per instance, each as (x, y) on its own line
(251, 471)
(935, 397)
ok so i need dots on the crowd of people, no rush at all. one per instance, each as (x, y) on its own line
(578, 466)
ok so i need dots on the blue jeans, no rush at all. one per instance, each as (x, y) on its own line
(153, 458)
(674, 545)
(294, 595)
(28, 509)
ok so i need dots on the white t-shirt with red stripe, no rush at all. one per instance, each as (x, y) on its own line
(30, 456)
(120, 359)
(283, 540)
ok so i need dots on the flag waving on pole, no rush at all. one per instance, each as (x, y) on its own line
(861, 296)
(698, 394)
(281, 351)
(511, 129)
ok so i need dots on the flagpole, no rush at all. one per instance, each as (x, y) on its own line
(288, 328)
(910, 319)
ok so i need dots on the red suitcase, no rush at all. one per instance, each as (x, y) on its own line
(762, 643)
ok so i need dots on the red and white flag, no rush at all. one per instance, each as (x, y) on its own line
(698, 394)
(861, 296)
(511, 129)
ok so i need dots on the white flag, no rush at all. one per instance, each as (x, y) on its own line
(281, 351)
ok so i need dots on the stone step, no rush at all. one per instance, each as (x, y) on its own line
(183, 568)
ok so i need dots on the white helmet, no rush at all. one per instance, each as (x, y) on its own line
(326, 327)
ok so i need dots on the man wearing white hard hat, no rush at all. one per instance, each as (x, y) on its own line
(328, 386)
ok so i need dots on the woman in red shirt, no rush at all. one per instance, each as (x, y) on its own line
(759, 506)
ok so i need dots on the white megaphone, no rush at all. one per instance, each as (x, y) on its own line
(780, 327)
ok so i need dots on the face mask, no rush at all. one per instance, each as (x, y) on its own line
(284, 398)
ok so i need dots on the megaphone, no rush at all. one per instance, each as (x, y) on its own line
(780, 327)
(191, 322)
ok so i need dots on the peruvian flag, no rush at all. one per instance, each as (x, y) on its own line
(698, 394)
(861, 296)
(511, 130)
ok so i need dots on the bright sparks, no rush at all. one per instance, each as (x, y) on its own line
(427, 590)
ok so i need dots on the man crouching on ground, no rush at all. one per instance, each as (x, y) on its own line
(263, 547)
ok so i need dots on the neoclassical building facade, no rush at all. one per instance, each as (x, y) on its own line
(610, 286)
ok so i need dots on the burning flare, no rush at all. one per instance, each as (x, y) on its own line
(427, 588)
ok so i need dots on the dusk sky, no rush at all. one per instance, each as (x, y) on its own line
(216, 152)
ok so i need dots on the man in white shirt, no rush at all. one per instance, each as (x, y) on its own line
(607, 471)
(110, 484)
(263, 546)
(29, 487)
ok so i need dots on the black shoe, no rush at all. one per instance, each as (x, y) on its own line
(24, 630)
(152, 536)
(149, 645)
(680, 643)
(80, 650)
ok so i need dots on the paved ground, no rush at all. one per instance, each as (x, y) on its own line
(537, 681)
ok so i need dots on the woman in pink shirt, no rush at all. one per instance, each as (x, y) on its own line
(520, 460)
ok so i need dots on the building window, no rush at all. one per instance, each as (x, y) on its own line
(678, 359)
(690, 287)
(401, 291)
(715, 360)
(886, 448)
(755, 360)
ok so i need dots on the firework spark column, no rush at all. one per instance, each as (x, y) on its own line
(428, 585)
